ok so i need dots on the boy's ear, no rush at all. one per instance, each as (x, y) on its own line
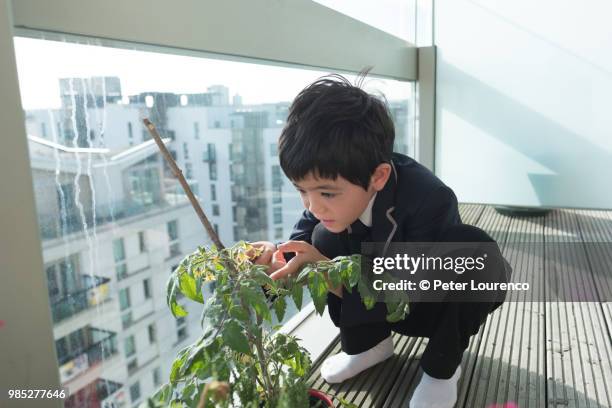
(380, 176)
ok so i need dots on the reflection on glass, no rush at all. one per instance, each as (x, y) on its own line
(114, 221)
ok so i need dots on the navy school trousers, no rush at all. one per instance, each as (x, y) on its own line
(447, 325)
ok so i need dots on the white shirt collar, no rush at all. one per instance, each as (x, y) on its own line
(366, 216)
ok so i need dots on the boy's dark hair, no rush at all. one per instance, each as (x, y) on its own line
(336, 128)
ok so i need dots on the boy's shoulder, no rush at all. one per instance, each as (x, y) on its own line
(414, 181)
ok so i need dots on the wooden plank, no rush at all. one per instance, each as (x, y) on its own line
(575, 332)
(511, 357)
(533, 353)
(596, 232)
(470, 213)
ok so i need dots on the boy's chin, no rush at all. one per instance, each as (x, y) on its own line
(336, 229)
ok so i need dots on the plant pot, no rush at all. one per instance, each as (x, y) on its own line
(319, 399)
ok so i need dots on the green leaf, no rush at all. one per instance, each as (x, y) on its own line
(239, 313)
(189, 288)
(262, 278)
(354, 273)
(366, 297)
(304, 272)
(345, 273)
(397, 311)
(345, 404)
(172, 288)
(235, 338)
(257, 300)
(297, 293)
(177, 365)
(334, 276)
(318, 290)
(279, 307)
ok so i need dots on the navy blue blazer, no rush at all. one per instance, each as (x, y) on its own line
(413, 206)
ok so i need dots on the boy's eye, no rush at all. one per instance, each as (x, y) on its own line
(328, 195)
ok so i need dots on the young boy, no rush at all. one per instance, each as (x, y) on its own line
(337, 149)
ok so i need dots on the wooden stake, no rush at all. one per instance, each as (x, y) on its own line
(179, 175)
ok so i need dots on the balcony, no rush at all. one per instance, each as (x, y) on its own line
(97, 394)
(102, 344)
(95, 291)
(530, 352)
(52, 226)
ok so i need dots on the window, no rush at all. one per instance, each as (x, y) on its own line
(181, 334)
(127, 319)
(121, 271)
(132, 366)
(152, 333)
(278, 215)
(213, 192)
(172, 230)
(215, 209)
(119, 250)
(146, 285)
(142, 243)
(186, 151)
(277, 196)
(278, 232)
(210, 154)
(216, 227)
(124, 298)
(274, 149)
(188, 170)
(156, 376)
(129, 345)
(212, 170)
(135, 392)
(196, 131)
(143, 196)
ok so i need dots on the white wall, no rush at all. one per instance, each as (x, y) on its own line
(523, 101)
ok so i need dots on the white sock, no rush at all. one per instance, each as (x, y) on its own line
(342, 366)
(436, 393)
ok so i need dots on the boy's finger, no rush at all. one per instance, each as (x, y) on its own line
(264, 258)
(293, 246)
(289, 269)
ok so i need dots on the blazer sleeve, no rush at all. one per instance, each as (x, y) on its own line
(438, 211)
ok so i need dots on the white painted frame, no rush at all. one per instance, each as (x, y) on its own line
(319, 38)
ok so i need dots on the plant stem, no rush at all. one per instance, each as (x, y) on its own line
(179, 175)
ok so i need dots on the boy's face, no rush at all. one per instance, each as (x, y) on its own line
(338, 203)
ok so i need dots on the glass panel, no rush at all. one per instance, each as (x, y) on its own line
(111, 213)
(395, 17)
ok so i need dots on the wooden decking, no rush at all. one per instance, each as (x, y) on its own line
(533, 353)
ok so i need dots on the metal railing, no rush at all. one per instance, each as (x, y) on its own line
(95, 291)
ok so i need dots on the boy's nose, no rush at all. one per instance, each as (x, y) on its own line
(314, 209)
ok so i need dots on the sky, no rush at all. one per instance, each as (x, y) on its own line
(40, 63)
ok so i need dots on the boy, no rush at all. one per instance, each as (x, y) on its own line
(337, 149)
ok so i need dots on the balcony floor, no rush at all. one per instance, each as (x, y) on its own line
(533, 353)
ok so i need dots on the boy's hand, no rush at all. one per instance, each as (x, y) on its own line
(267, 257)
(304, 253)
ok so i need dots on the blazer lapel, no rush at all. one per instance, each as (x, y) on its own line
(383, 223)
